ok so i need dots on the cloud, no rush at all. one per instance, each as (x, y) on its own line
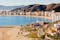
(26, 2)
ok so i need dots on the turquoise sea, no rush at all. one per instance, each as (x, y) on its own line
(19, 20)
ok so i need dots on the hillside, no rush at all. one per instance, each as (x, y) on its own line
(38, 7)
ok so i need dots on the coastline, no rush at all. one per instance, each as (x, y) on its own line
(7, 26)
(31, 16)
(18, 32)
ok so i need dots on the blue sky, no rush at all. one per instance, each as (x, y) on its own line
(26, 2)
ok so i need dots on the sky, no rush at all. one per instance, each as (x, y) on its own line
(26, 2)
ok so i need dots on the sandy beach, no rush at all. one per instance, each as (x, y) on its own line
(50, 18)
(12, 33)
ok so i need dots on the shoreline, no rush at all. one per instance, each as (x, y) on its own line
(7, 26)
(31, 16)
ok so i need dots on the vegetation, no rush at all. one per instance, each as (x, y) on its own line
(48, 33)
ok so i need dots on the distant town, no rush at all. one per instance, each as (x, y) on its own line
(51, 14)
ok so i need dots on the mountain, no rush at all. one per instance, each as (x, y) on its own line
(35, 7)
(55, 7)
(9, 7)
(38, 7)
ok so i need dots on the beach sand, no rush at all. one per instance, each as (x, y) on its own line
(47, 17)
(12, 33)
